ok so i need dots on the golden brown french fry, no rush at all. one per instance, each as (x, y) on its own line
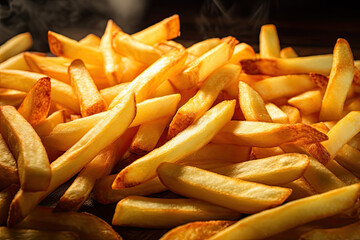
(16, 62)
(11, 97)
(319, 80)
(283, 86)
(252, 105)
(282, 66)
(307, 102)
(277, 115)
(61, 93)
(31, 234)
(36, 104)
(341, 76)
(145, 212)
(196, 230)
(269, 45)
(193, 109)
(342, 173)
(65, 47)
(242, 51)
(260, 134)
(91, 40)
(279, 219)
(292, 112)
(202, 47)
(91, 101)
(86, 225)
(72, 161)
(67, 134)
(15, 45)
(166, 29)
(348, 157)
(8, 167)
(188, 141)
(45, 127)
(202, 67)
(236, 194)
(288, 52)
(111, 92)
(6, 195)
(300, 189)
(25, 145)
(257, 152)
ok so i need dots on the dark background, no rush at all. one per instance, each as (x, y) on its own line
(311, 27)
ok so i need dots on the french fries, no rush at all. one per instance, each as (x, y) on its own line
(269, 42)
(45, 127)
(8, 166)
(15, 45)
(31, 234)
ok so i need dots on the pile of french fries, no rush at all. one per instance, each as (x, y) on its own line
(271, 135)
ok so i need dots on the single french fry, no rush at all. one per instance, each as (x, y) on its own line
(193, 109)
(23, 81)
(15, 45)
(32, 234)
(341, 76)
(283, 86)
(236, 194)
(288, 52)
(203, 66)
(257, 152)
(64, 135)
(300, 189)
(282, 66)
(188, 141)
(36, 104)
(293, 113)
(277, 115)
(91, 102)
(91, 40)
(45, 127)
(145, 212)
(279, 219)
(242, 51)
(260, 134)
(65, 47)
(11, 97)
(202, 47)
(6, 195)
(342, 173)
(348, 157)
(307, 102)
(269, 42)
(166, 29)
(86, 225)
(16, 62)
(25, 145)
(196, 230)
(252, 105)
(72, 161)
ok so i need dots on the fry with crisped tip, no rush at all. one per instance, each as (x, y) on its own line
(15, 45)
(269, 42)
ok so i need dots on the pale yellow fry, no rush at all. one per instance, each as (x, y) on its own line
(342, 132)
(91, 40)
(11, 97)
(349, 157)
(166, 29)
(283, 86)
(242, 51)
(72, 161)
(15, 45)
(342, 173)
(65, 47)
(202, 47)
(145, 212)
(188, 141)
(67, 134)
(252, 105)
(260, 134)
(27, 148)
(293, 113)
(61, 93)
(45, 127)
(193, 109)
(341, 76)
(307, 102)
(288, 52)
(236, 194)
(91, 102)
(279, 219)
(6, 195)
(32, 234)
(277, 115)
(269, 42)
(8, 167)
(16, 62)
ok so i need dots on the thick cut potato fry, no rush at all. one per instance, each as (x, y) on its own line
(242, 51)
(292, 214)
(204, 98)
(31, 234)
(25, 145)
(260, 134)
(15, 45)
(166, 29)
(36, 104)
(45, 127)
(202, 47)
(269, 42)
(300, 189)
(342, 132)
(91, 101)
(341, 76)
(252, 105)
(348, 157)
(351, 232)
(203, 66)
(277, 115)
(67, 134)
(86, 225)
(196, 230)
(11, 97)
(145, 84)
(188, 141)
(276, 170)
(282, 66)
(6, 195)
(65, 47)
(145, 212)
(342, 173)
(91, 40)
(236, 194)
(293, 113)
(307, 102)
(72, 161)
(16, 62)
(61, 93)
(288, 52)
(283, 86)
(8, 166)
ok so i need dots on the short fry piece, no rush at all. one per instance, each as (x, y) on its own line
(31, 234)
(15, 45)
(269, 42)
(307, 102)
(288, 52)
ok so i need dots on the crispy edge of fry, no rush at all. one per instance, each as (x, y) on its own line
(269, 42)
(15, 45)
